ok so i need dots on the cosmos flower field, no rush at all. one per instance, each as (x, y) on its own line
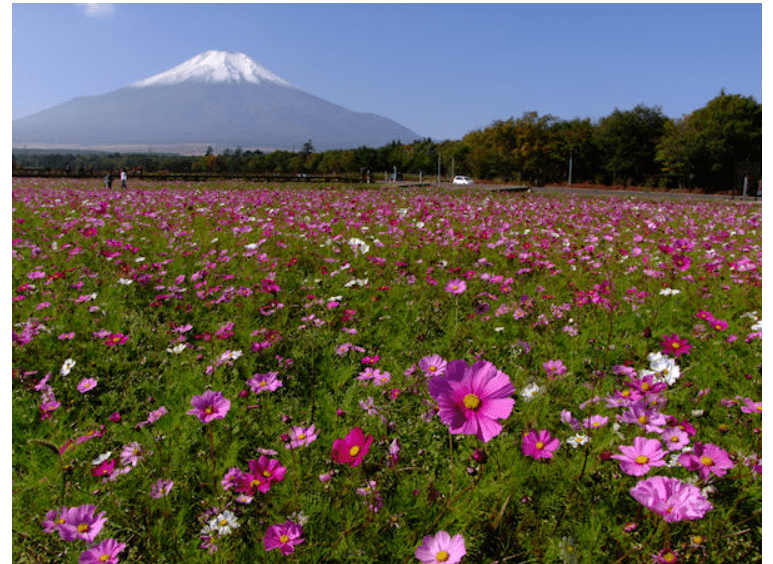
(241, 372)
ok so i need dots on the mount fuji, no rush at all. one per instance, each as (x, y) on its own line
(217, 99)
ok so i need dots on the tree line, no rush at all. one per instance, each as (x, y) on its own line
(637, 147)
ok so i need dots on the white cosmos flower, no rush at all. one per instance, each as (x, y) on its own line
(224, 523)
(177, 349)
(125, 281)
(67, 366)
(530, 391)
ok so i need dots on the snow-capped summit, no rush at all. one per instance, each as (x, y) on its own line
(215, 67)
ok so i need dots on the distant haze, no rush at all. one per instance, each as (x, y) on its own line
(216, 98)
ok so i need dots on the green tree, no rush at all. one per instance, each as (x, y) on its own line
(704, 146)
(627, 141)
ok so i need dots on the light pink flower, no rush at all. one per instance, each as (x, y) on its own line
(637, 460)
(441, 547)
(708, 459)
(671, 498)
(86, 384)
(209, 406)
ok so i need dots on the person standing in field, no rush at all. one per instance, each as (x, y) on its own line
(124, 178)
(108, 181)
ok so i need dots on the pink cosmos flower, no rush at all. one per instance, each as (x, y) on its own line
(105, 552)
(673, 345)
(671, 498)
(651, 420)
(666, 556)
(300, 436)
(708, 459)
(595, 421)
(456, 286)
(751, 406)
(81, 523)
(131, 454)
(539, 444)
(472, 398)
(209, 406)
(441, 547)
(263, 472)
(554, 368)
(116, 339)
(433, 365)
(352, 448)
(719, 324)
(86, 384)
(264, 382)
(637, 460)
(161, 488)
(54, 519)
(285, 537)
(675, 438)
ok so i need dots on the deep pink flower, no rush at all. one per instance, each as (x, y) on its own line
(472, 398)
(637, 460)
(708, 459)
(285, 537)
(539, 444)
(674, 346)
(105, 552)
(116, 339)
(81, 523)
(209, 406)
(104, 469)
(666, 556)
(719, 324)
(352, 448)
(263, 472)
(671, 498)
(441, 547)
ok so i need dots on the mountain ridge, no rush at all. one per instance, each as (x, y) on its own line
(216, 98)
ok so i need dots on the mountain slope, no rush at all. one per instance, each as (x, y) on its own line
(215, 98)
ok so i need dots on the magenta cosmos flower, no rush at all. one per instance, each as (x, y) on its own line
(751, 406)
(352, 448)
(674, 346)
(671, 498)
(264, 382)
(472, 398)
(105, 552)
(539, 444)
(81, 523)
(456, 286)
(285, 537)
(637, 460)
(441, 547)
(209, 406)
(708, 459)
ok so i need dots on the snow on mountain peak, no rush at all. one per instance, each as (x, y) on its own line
(215, 67)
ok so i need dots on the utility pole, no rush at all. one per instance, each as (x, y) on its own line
(438, 166)
(570, 167)
(452, 167)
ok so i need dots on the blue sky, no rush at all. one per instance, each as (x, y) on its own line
(441, 70)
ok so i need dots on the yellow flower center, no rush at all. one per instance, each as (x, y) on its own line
(625, 393)
(354, 451)
(697, 539)
(674, 439)
(223, 522)
(643, 419)
(442, 556)
(301, 436)
(669, 557)
(540, 444)
(675, 344)
(471, 401)
(706, 461)
(759, 407)
(59, 521)
(641, 459)
(255, 483)
(595, 424)
(432, 368)
(645, 386)
(267, 473)
(209, 410)
(104, 558)
(262, 383)
(284, 538)
(83, 527)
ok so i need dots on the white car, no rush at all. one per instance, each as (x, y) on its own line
(465, 180)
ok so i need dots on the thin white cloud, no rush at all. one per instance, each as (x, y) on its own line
(97, 10)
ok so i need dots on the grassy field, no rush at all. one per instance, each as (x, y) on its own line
(241, 372)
